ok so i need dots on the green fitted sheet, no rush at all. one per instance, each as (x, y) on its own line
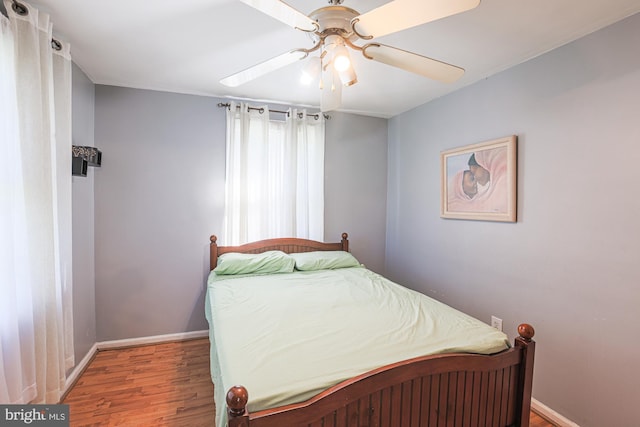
(287, 337)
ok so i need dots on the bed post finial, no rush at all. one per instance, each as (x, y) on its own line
(213, 252)
(237, 398)
(345, 242)
(526, 331)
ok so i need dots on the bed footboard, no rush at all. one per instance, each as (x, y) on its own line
(445, 389)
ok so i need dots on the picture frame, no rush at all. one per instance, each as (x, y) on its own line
(479, 181)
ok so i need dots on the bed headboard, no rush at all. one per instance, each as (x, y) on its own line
(287, 244)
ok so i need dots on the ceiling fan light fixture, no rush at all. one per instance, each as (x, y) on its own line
(335, 28)
(331, 97)
(310, 71)
(348, 77)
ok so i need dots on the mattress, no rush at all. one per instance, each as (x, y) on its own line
(287, 337)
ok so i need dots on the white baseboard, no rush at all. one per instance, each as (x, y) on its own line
(156, 339)
(551, 415)
(105, 345)
(80, 367)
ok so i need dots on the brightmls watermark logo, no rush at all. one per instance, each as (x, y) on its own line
(34, 415)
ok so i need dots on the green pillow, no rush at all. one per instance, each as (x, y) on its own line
(264, 263)
(324, 260)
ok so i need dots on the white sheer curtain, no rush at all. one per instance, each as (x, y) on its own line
(274, 176)
(36, 341)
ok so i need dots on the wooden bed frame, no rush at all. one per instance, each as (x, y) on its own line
(456, 389)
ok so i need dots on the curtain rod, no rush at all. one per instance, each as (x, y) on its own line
(261, 110)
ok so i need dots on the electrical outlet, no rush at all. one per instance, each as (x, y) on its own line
(496, 323)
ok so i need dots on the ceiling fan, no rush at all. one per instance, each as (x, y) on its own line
(335, 28)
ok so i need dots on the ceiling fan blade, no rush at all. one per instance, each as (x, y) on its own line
(412, 62)
(284, 13)
(399, 15)
(263, 68)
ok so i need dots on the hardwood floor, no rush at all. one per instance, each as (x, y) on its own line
(164, 384)
(537, 421)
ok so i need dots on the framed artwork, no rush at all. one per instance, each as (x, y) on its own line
(478, 181)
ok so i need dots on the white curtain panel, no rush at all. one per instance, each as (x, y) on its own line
(17, 384)
(62, 85)
(274, 176)
(36, 346)
(308, 132)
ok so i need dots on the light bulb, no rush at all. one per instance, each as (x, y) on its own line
(341, 60)
(341, 63)
(310, 71)
(306, 78)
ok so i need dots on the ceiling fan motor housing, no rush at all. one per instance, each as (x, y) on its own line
(334, 20)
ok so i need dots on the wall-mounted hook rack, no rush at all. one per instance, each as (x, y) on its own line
(83, 157)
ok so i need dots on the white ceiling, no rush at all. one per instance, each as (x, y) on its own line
(187, 46)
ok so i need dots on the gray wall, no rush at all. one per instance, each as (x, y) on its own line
(356, 185)
(569, 266)
(160, 194)
(84, 306)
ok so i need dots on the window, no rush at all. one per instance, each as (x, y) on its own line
(274, 176)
